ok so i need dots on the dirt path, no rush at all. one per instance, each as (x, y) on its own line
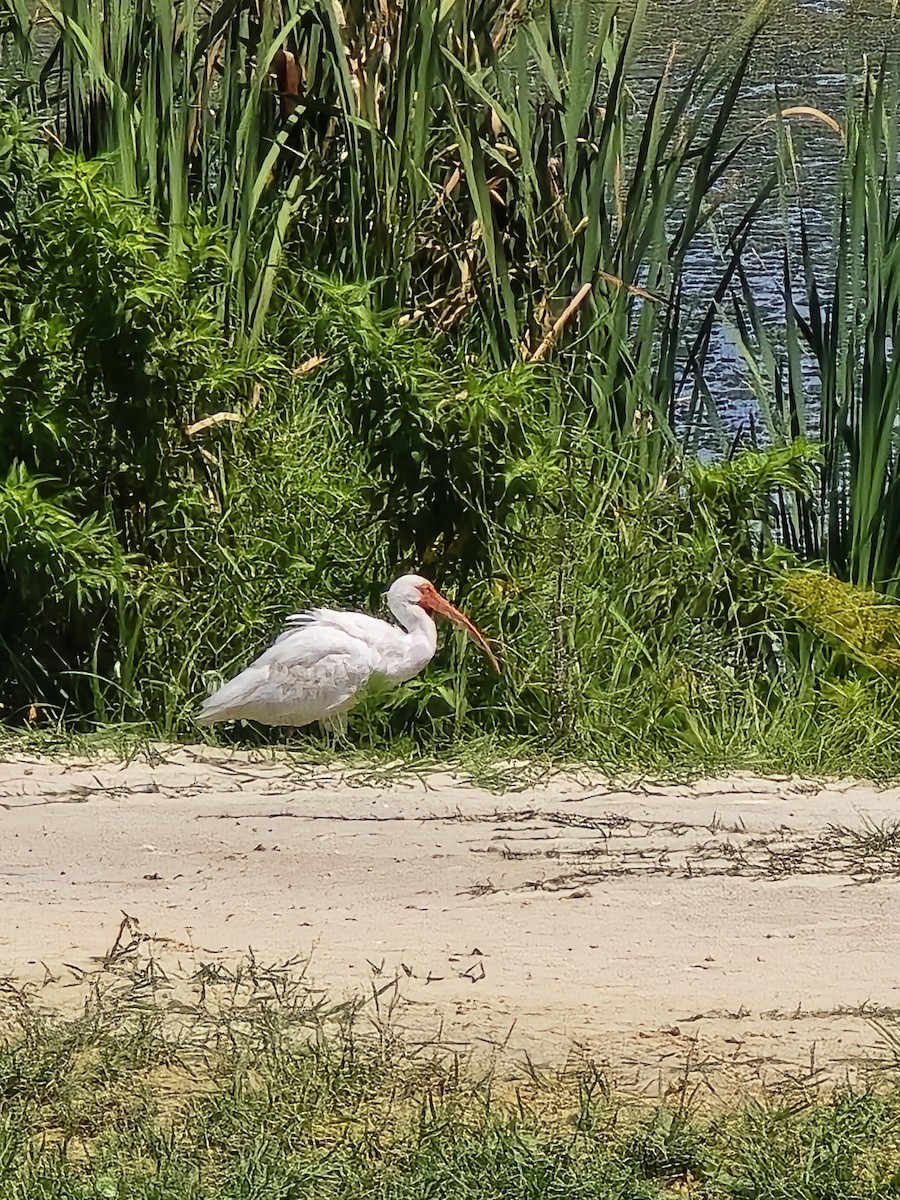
(742, 920)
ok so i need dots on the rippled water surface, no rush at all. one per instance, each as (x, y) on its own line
(812, 53)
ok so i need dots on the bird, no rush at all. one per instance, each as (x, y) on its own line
(323, 660)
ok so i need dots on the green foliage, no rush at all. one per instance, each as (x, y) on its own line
(324, 294)
(477, 166)
(61, 579)
(457, 451)
(669, 611)
(863, 623)
(736, 494)
(107, 348)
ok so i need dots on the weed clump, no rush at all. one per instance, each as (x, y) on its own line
(864, 624)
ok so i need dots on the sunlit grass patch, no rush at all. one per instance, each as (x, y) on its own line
(276, 1099)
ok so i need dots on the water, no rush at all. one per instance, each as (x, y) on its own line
(810, 54)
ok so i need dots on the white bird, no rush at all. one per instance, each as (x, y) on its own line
(323, 660)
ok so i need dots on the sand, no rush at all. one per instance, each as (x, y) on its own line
(740, 923)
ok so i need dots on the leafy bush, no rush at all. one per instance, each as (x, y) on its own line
(108, 347)
(458, 452)
(61, 581)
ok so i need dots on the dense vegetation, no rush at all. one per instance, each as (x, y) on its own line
(295, 296)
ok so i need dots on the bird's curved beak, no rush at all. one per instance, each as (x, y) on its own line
(440, 606)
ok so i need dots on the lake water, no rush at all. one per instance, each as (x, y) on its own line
(809, 54)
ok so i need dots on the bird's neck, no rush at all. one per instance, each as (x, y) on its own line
(421, 634)
(419, 625)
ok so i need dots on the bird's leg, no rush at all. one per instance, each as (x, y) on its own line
(298, 751)
(335, 728)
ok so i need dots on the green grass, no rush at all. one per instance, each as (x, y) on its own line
(849, 733)
(280, 1099)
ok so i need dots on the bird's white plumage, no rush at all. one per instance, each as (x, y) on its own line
(322, 660)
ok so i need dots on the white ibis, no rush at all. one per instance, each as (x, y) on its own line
(322, 661)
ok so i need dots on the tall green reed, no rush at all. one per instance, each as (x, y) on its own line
(471, 161)
(832, 371)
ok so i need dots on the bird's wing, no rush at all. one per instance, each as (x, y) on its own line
(359, 625)
(310, 672)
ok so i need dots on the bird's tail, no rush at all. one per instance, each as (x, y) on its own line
(220, 706)
(234, 699)
(206, 716)
(210, 712)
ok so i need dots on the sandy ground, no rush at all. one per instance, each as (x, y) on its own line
(741, 923)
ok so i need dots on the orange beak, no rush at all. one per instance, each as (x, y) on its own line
(433, 602)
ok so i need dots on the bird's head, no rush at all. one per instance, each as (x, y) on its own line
(413, 591)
